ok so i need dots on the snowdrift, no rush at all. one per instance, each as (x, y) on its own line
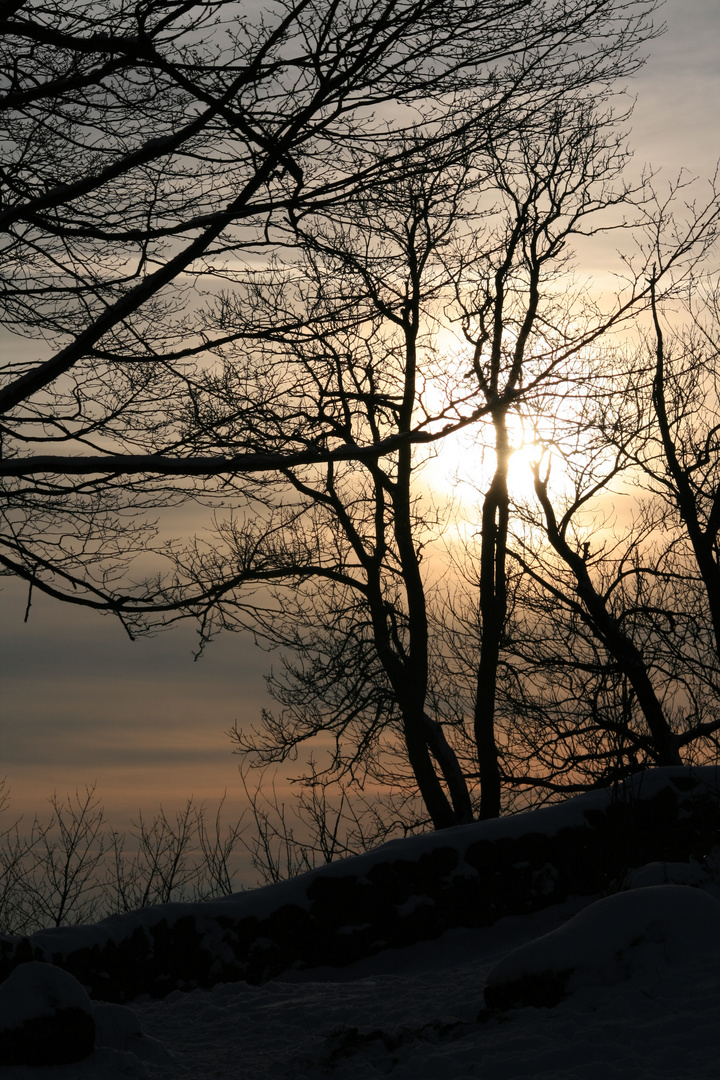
(628, 936)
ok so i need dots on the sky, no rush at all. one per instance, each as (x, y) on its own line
(82, 704)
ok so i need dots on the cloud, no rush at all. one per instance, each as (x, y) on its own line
(81, 703)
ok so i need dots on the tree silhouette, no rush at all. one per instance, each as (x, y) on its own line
(240, 244)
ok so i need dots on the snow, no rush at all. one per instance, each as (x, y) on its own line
(548, 821)
(664, 873)
(418, 1013)
(35, 989)
(414, 1015)
(631, 934)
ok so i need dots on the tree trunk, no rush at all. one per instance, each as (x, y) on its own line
(420, 737)
(493, 610)
(452, 773)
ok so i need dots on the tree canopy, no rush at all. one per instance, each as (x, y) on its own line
(265, 262)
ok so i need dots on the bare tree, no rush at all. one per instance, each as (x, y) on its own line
(16, 855)
(343, 542)
(71, 869)
(532, 329)
(190, 336)
(325, 822)
(153, 153)
(615, 653)
(685, 411)
(525, 332)
(340, 555)
(61, 885)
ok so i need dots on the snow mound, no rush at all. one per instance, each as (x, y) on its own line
(36, 989)
(629, 936)
(667, 873)
(46, 1017)
(118, 1028)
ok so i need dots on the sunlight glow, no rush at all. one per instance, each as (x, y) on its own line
(464, 463)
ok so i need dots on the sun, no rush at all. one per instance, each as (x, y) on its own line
(464, 463)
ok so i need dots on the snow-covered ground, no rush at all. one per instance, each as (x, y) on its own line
(641, 970)
(414, 1014)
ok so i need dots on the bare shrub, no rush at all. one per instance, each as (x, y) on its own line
(73, 869)
(323, 821)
